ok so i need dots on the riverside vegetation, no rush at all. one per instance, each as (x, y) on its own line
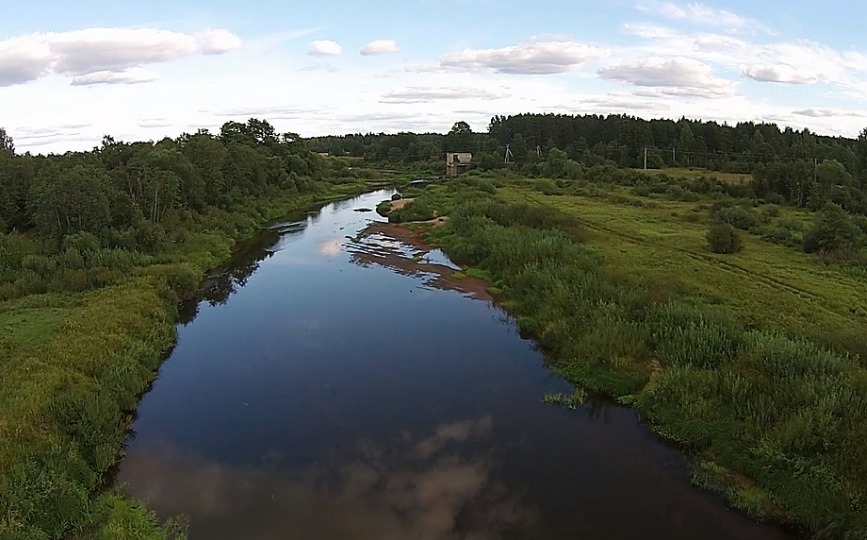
(96, 251)
(755, 362)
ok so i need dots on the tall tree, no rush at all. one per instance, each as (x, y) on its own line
(6, 143)
(460, 138)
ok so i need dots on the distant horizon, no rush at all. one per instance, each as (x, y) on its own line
(72, 73)
(215, 130)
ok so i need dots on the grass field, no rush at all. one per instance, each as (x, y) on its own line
(729, 178)
(766, 286)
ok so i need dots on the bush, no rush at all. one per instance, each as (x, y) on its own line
(834, 232)
(396, 197)
(771, 211)
(778, 235)
(737, 217)
(724, 239)
(546, 187)
(415, 211)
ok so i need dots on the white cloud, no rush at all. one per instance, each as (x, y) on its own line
(620, 102)
(534, 58)
(127, 76)
(829, 113)
(672, 76)
(781, 73)
(427, 95)
(103, 54)
(324, 48)
(700, 14)
(381, 46)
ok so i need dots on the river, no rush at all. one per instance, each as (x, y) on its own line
(335, 387)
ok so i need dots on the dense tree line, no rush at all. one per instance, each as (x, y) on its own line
(120, 191)
(799, 168)
(80, 219)
(618, 139)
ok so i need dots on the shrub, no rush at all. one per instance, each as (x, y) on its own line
(83, 242)
(771, 211)
(396, 197)
(723, 238)
(778, 235)
(737, 217)
(415, 211)
(546, 187)
(834, 232)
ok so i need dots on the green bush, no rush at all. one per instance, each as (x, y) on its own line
(834, 232)
(724, 239)
(417, 210)
(778, 235)
(546, 187)
(736, 216)
(771, 211)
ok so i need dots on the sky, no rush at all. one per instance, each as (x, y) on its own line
(72, 72)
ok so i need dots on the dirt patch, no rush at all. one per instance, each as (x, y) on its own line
(400, 203)
(403, 250)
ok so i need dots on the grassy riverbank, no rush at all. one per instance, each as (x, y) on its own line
(75, 363)
(753, 362)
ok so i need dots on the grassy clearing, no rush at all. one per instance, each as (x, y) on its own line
(74, 366)
(681, 172)
(732, 357)
(767, 286)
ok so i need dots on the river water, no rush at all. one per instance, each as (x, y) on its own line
(336, 387)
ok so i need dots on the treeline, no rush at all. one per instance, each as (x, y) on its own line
(76, 220)
(616, 140)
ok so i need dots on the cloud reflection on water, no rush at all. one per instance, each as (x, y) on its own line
(420, 488)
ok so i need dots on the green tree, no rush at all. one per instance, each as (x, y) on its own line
(829, 175)
(519, 149)
(6, 143)
(861, 157)
(834, 232)
(68, 201)
(460, 138)
(686, 143)
(555, 163)
(208, 155)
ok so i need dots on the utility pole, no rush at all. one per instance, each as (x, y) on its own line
(538, 151)
(645, 158)
(509, 154)
(673, 156)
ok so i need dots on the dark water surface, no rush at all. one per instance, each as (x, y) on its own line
(330, 388)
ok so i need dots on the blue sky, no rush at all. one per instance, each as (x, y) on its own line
(72, 72)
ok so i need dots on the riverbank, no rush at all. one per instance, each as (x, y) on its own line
(770, 418)
(74, 367)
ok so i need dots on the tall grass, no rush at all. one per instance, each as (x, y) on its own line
(786, 417)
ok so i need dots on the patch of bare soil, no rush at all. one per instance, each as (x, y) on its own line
(402, 249)
(400, 203)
